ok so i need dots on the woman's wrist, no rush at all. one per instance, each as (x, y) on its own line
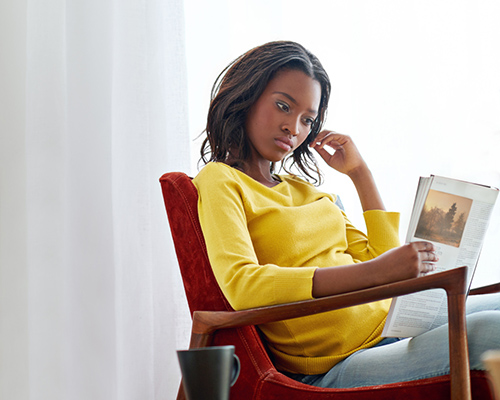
(360, 173)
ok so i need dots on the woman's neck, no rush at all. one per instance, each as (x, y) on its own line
(260, 172)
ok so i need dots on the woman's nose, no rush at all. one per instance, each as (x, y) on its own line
(292, 127)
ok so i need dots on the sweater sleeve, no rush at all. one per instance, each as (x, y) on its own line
(382, 235)
(244, 282)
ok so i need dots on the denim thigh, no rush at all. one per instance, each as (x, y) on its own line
(415, 358)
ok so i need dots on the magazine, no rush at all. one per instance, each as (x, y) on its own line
(454, 216)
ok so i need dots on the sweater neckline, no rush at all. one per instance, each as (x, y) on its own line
(278, 178)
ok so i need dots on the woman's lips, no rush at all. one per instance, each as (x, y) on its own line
(284, 143)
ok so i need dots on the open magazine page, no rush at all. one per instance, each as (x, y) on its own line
(454, 215)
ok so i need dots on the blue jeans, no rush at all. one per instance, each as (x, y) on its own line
(424, 356)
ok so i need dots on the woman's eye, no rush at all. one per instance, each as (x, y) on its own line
(284, 107)
(309, 121)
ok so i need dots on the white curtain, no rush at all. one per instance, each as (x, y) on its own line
(93, 109)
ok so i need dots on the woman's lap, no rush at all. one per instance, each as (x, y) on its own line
(420, 357)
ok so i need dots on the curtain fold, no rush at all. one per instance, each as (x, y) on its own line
(93, 112)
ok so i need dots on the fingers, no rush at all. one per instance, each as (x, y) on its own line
(325, 155)
(345, 157)
(423, 246)
(427, 251)
(426, 267)
(335, 141)
(331, 138)
(427, 257)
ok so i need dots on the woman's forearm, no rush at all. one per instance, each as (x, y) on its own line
(404, 262)
(366, 187)
(343, 279)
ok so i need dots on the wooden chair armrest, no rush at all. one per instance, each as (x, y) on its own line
(493, 288)
(207, 322)
(453, 281)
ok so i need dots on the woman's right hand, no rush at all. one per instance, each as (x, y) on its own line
(408, 261)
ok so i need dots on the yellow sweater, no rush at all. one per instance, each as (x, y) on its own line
(264, 245)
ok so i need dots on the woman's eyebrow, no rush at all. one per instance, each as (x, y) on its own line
(287, 96)
(294, 101)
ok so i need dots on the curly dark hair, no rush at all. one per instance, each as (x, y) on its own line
(239, 86)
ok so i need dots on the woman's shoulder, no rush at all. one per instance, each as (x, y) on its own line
(217, 176)
(214, 171)
(307, 188)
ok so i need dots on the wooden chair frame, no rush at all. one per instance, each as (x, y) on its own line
(206, 323)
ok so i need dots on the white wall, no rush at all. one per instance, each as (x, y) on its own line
(415, 83)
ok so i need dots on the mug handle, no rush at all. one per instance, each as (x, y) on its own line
(236, 370)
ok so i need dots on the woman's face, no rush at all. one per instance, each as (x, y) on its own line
(282, 116)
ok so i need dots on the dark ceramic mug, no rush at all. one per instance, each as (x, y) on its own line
(209, 372)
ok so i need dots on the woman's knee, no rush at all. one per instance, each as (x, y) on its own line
(483, 302)
(483, 333)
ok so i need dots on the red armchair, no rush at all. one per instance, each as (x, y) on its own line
(216, 323)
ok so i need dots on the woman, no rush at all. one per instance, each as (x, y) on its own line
(275, 239)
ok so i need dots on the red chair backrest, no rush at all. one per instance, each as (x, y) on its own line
(202, 290)
(181, 202)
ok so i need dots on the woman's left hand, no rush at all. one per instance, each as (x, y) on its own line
(345, 158)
